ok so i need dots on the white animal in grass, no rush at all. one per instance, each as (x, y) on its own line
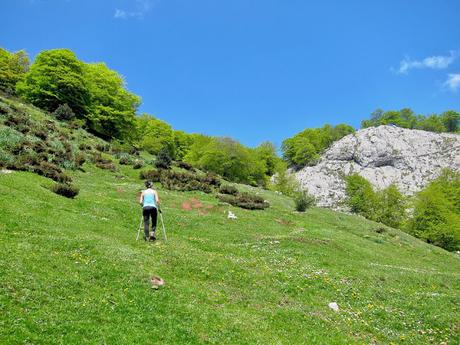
(231, 215)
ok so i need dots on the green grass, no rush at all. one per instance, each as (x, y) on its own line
(72, 273)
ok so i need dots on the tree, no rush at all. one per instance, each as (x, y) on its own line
(450, 119)
(431, 123)
(154, 134)
(13, 67)
(55, 78)
(390, 208)
(361, 198)
(112, 108)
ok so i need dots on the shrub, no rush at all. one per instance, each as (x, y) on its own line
(244, 200)
(152, 175)
(64, 113)
(80, 159)
(436, 215)
(390, 208)
(138, 163)
(185, 166)
(361, 198)
(103, 147)
(227, 189)
(107, 166)
(125, 159)
(6, 159)
(66, 189)
(52, 171)
(211, 179)
(163, 159)
(303, 201)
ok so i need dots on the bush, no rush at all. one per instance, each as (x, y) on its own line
(64, 113)
(436, 215)
(125, 159)
(303, 201)
(107, 166)
(52, 171)
(138, 163)
(185, 166)
(227, 189)
(152, 175)
(66, 189)
(163, 160)
(244, 200)
(361, 198)
(80, 159)
(211, 179)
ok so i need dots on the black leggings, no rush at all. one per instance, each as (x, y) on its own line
(148, 212)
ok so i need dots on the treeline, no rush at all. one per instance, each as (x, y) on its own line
(448, 121)
(305, 147)
(433, 214)
(92, 96)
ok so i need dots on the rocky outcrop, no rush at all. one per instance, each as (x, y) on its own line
(383, 155)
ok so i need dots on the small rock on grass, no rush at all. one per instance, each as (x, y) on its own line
(334, 306)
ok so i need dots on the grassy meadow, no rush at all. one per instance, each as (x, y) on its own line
(72, 272)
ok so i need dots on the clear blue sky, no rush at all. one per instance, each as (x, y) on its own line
(257, 70)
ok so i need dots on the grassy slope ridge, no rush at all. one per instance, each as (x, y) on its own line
(71, 272)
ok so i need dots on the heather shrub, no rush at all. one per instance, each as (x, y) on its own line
(185, 166)
(66, 189)
(244, 200)
(227, 189)
(152, 175)
(107, 166)
(138, 163)
(125, 159)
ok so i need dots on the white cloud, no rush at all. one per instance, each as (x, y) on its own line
(453, 82)
(433, 62)
(141, 8)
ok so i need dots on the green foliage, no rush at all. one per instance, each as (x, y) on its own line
(436, 216)
(304, 200)
(244, 200)
(56, 77)
(228, 189)
(285, 182)
(361, 198)
(163, 159)
(111, 107)
(66, 189)
(13, 67)
(390, 207)
(228, 158)
(387, 206)
(306, 147)
(154, 134)
(64, 113)
(405, 118)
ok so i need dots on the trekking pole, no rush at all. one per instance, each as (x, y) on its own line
(139, 229)
(163, 224)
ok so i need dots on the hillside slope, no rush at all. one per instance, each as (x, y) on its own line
(71, 271)
(383, 155)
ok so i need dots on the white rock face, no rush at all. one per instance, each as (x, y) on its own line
(383, 155)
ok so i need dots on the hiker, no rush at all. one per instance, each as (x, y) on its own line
(150, 202)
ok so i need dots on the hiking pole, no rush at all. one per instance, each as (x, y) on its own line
(139, 229)
(162, 223)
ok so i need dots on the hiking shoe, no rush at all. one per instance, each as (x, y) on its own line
(152, 238)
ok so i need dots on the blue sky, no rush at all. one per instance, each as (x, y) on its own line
(257, 70)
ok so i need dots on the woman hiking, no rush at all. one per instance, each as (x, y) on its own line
(150, 202)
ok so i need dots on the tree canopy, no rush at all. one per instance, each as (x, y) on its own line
(13, 67)
(448, 121)
(306, 147)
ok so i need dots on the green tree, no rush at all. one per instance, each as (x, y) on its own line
(13, 67)
(431, 123)
(436, 215)
(182, 144)
(112, 108)
(450, 120)
(56, 77)
(154, 134)
(390, 207)
(361, 198)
